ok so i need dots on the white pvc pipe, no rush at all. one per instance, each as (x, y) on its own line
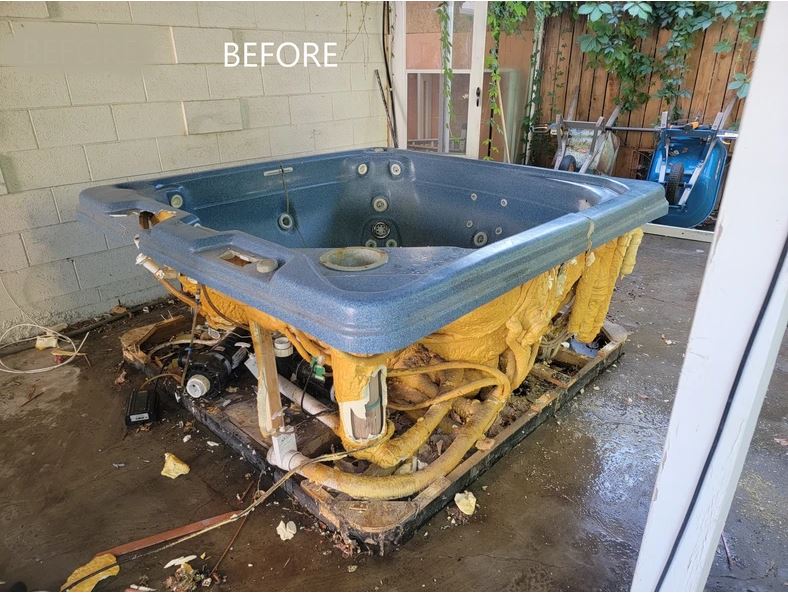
(310, 404)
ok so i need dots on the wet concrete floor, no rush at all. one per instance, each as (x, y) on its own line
(564, 510)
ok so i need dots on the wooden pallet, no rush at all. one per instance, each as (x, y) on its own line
(382, 525)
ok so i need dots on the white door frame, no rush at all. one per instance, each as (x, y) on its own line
(739, 324)
(400, 73)
(475, 102)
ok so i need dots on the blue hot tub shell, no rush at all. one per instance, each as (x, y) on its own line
(438, 209)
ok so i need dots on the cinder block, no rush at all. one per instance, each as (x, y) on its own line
(119, 289)
(333, 134)
(227, 14)
(376, 107)
(213, 116)
(44, 281)
(241, 36)
(94, 12)
(27, 210)
(362, 76)
(176, 82)
(47, 244)
(142, 44)
(147, 120)
(26, 170)
(26, 87)
(370, 131)
(305, 109)
(356, 48)
(28, 10)
(329, 80)
(120, 159)
(278, 80)
(333, 16)
(244, 144)
(286, 140)
(16, 131)
(258, 112)
(200, 46)
(178, 152)
(13, 253)
(165, 13)
(103, 268)
(134, 298)
(350, 105)
(226, 83)
(65, 126)
(281, 16)
(67, 197)
(67, 308)
(98, 86)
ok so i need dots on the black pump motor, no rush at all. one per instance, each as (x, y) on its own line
(210, 370)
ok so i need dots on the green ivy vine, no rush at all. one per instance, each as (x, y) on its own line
(615, 28)
(612, 41)
(446, 67)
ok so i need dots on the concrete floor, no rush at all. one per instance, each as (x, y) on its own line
(564, 510)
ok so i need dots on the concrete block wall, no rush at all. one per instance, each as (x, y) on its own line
(167, 105)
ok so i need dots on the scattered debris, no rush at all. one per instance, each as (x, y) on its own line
(466, 502)
(187, 437)
(85, 578)
(212, 444)
(32, 395)
(185, 579)
(667, 341)
(231, 389)
(118, 464)
(118, 310)
(46, 341)
(139, 588)
(174, 466)
(352, 568)
(728, 556)
(485, 444)
(286, 531)
(180, 561)
(121, 379)
(783, 441)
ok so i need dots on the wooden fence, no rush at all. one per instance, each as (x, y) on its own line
(564, 70)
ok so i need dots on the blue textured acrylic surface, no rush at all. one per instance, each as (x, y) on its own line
(533, 218)
(703, 195)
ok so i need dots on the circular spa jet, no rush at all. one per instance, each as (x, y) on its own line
(381, 229)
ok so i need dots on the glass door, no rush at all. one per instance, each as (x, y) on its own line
(443, 108)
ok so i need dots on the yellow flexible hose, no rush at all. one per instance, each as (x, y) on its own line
(469, 388)
(403, 485)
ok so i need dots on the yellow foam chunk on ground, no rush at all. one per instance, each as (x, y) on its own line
(95, 570)
(174, 466)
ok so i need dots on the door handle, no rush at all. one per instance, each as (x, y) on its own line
(478, 95)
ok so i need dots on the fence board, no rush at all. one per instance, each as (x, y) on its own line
(566, 74)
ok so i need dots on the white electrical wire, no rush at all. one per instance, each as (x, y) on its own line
(6, 369)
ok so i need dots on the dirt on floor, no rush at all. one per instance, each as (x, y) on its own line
(564, 510)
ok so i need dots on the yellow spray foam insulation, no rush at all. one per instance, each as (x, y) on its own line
(93, 569)
(595, 287)
(174, 466)
(503, 333)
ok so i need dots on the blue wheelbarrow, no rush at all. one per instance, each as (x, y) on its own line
(690, 162)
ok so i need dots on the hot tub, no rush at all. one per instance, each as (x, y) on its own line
(457, 233)
(382, 261)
